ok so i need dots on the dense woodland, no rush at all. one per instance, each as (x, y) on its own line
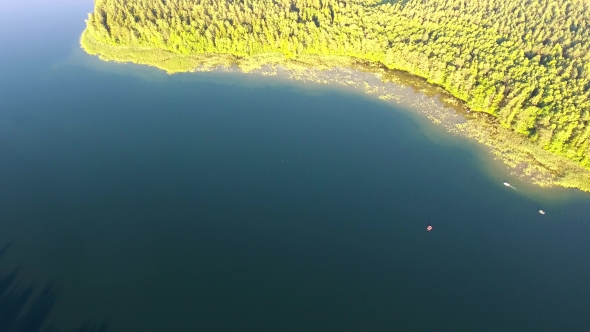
(526, 62)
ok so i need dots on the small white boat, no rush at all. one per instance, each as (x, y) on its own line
(541, 212)
(507, 184)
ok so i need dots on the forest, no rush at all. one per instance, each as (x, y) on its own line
(526, 63)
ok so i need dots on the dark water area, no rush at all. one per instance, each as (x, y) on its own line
(135, 201)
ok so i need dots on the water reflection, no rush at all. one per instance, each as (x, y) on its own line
(22, 309)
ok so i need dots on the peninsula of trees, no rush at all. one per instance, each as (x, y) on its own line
(526, 63)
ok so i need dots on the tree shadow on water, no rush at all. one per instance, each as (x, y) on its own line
(24, 310)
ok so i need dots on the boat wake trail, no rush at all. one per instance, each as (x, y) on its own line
(510, 186)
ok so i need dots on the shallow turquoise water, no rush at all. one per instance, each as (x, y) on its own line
(211, 202)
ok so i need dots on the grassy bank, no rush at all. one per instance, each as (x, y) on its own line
(528, 159)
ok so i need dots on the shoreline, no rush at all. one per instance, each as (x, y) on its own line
(525, 159)
(441, 109)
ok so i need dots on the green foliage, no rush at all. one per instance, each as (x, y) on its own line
(524, 62)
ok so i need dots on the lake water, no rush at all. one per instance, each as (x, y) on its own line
(226, 202)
